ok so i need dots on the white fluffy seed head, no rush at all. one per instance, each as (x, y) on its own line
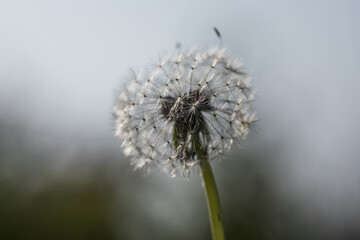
(201, 95)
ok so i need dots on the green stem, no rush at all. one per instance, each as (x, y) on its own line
(212, 195)
(213, 200)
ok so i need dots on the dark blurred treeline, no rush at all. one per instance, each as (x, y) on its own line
(53, 191)
(64, 190)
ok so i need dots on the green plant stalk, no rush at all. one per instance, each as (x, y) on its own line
(212, 196)
(209, 185)
(213, 200)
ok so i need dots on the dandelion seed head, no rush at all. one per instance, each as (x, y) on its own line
(194, 96)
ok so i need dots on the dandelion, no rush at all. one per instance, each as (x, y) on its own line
(184, 112)
(197, 99)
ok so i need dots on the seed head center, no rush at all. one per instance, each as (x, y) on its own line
(187, 109)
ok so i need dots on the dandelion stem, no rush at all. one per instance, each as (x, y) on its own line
(213, 200)
(212, 195)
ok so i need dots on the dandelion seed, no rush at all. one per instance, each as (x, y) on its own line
(193, 99)
(217, 32)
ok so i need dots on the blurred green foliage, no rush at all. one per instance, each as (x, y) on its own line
(51, 192)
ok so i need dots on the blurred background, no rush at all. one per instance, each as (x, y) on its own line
(63, 175)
